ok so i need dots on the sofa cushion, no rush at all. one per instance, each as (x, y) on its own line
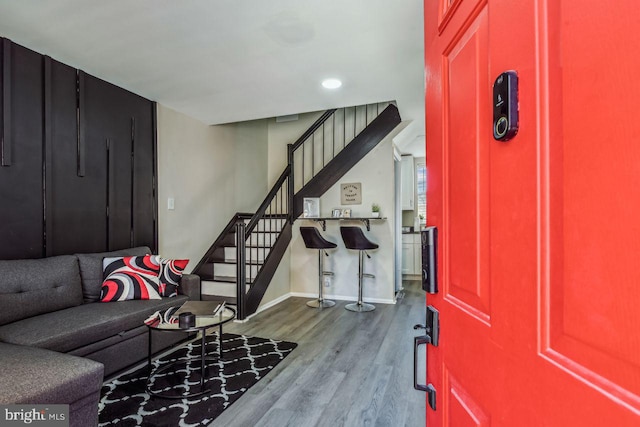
(34, 286)
(190, 286)
(130, 277)
(76, 327)
(35, 375)
(91, 269)
(170, 275)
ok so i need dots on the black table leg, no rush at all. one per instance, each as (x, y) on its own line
(202, 363)
(149, 353)
(220, 341)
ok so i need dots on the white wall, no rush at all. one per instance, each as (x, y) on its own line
(375, 172)
(194, 169)
(215, 171)
(212, 172)
(251, 143)
(278, 136)
(280, 287)
(281, 134)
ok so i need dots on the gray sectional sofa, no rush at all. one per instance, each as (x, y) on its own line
(58, 342)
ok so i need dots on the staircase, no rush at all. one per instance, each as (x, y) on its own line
(240, 264)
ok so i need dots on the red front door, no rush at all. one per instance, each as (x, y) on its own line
(539, 237)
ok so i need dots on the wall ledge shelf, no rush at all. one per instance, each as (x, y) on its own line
(323, 220)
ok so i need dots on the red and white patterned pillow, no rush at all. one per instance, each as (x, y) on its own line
(170, 274)
(128, 278)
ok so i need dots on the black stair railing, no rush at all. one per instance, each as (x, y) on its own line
(324, 140)
(264, 235)
(255, 238)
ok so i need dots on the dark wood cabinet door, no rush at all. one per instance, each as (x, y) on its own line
(125, 122)
(76, 205)
(77, 160)
(100, 185)
(21, 180)
(108, 130)
(144, 172)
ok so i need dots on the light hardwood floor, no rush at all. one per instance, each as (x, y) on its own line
(349, 369)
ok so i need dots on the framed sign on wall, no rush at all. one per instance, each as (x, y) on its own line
(351, 193)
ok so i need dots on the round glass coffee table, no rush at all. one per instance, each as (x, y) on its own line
(203, 324)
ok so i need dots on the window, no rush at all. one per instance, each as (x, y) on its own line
(421, 180)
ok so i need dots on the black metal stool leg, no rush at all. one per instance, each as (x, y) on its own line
(360, 306)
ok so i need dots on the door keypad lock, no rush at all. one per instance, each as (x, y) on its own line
(430, 260)
(505, 106)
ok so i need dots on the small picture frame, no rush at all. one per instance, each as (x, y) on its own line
(311, 206)
(346, 213)
(336, 213)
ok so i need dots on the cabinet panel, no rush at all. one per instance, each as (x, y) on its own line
(79, 147)
(21, 194)
(94, 189)
(109, 122)
(76, 205)
(125, 120)
(407, 258)
(411, 254)
(407, 184)
(144, 172)
(417, 257)
(110, 174)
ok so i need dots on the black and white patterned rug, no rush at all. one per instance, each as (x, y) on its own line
(125, 401)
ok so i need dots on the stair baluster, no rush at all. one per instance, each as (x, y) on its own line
(261, 242)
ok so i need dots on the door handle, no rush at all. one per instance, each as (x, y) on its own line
(5, 137)
(429, 388)
(417, 342)
(81, 119)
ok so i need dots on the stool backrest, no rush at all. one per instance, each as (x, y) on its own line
(354, 238)
(314, 240)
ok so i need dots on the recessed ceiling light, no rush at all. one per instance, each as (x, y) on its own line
(331, 83)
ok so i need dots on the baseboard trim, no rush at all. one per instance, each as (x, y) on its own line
(273, 302)
(311, 296)
(266, 306)
(343, 298)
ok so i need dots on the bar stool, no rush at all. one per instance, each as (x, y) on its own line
(354, 238)
(313, 240)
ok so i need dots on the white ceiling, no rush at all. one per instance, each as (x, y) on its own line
(224, 61)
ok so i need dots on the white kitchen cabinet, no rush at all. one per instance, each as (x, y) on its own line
(407, 258)
(417, 256)
(411, 254)
(407, 183)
